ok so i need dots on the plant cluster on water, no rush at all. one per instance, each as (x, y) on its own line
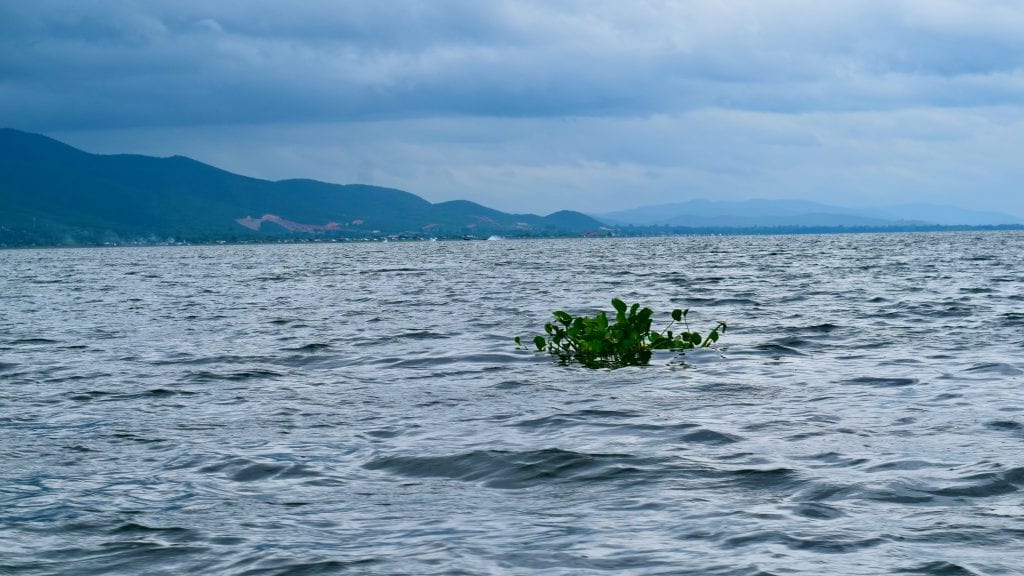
(596, 342)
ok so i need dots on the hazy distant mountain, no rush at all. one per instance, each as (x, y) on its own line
(945, 215)
(52, 193)
(776, 213)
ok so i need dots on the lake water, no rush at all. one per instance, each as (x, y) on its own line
(361, 409)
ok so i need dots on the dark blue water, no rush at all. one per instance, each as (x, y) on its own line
(360, 409)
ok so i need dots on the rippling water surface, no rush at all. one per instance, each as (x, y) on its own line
(359, 408)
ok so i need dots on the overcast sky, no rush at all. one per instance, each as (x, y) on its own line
(540, 106)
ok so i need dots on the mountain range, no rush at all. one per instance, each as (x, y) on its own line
(54, 194)
(760, 213)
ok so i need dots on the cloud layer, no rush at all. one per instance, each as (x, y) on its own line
(543, 105)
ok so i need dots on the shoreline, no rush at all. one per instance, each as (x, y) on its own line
(635, 232)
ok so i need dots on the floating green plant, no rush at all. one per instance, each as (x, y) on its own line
(595, 342)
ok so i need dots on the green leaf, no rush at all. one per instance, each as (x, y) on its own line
(598, 341)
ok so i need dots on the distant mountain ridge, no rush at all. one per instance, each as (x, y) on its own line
(54, 194)
(778, 213)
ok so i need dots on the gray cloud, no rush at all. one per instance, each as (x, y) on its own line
(542, 105)
(187, 62)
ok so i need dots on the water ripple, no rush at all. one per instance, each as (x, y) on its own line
(360, 408)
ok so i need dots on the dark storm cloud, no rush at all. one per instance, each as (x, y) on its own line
(109, 63)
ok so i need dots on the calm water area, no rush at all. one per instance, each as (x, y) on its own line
(361, 409)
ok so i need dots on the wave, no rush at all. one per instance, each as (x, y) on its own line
(515, 470)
